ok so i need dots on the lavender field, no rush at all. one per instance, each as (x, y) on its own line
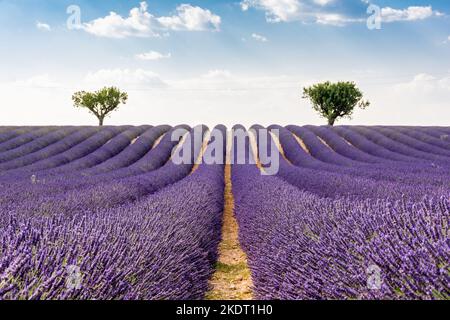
(353, 212)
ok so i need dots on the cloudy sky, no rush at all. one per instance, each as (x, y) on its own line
(224, 61)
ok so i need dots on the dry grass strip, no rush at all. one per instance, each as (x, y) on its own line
(134, 140)
(155, 144)
(198, 161)
(301, 143)
(254, 148)
(279, 146)
(325, 143)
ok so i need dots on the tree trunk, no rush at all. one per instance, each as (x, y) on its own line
(100, 121)
(331, 121)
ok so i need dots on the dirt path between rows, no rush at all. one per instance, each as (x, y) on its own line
(232, 278)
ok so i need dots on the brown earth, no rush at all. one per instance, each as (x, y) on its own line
(301, 143)
(232, 278)
(199, 159)
(279, 146)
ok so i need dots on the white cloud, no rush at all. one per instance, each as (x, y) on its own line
(259, 37)
(192, 19)
(276, 10)
(153, 55)
(313, 11)
(38, 81)
(217, 74)
(43, 26)
(225, 80)
(424, 83)
(319, 11)
(335, 19)
(389, 14)
(217, 79)
(423, 100)
(141, 23)
(323, 2)
(125, 78)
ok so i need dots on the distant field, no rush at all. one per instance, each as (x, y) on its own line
(351, 212)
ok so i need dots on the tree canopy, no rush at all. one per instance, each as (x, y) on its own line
(100, 103)
(335, 100)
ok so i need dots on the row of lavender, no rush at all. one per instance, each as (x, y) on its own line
(353, 213)
(106, 209)
(101, 213)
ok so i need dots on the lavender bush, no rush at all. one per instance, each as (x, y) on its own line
(103, 213)
(317, 234)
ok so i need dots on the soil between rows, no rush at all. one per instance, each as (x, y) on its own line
(232, 277)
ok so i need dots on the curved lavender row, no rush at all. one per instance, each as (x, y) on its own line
(398, 147)
(366, 145)
(429, 131)
(4, 129)
(60, 184)
(338, 185)
(436, 133)
(338, 144)
(152, 160)
(443, 130)
(397, 170)
(74, 153)
(37, 144)
(319, 150)
(289, 249)
(69, 192)
(104, 194)
(299, 157)
(132, 153)
(154, 249)
(296, 154)
(398, 136)
(25, 138)
(424, 137)
(406, 173)
(302, 247)
(53, 149)
(309, 248)
(11, 133)
(20, 139)
(331, 185)
(107, 150)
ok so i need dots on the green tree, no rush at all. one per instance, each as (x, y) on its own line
(335, 100)
(100, 103)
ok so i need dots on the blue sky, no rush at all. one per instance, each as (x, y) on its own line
(224, 61)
